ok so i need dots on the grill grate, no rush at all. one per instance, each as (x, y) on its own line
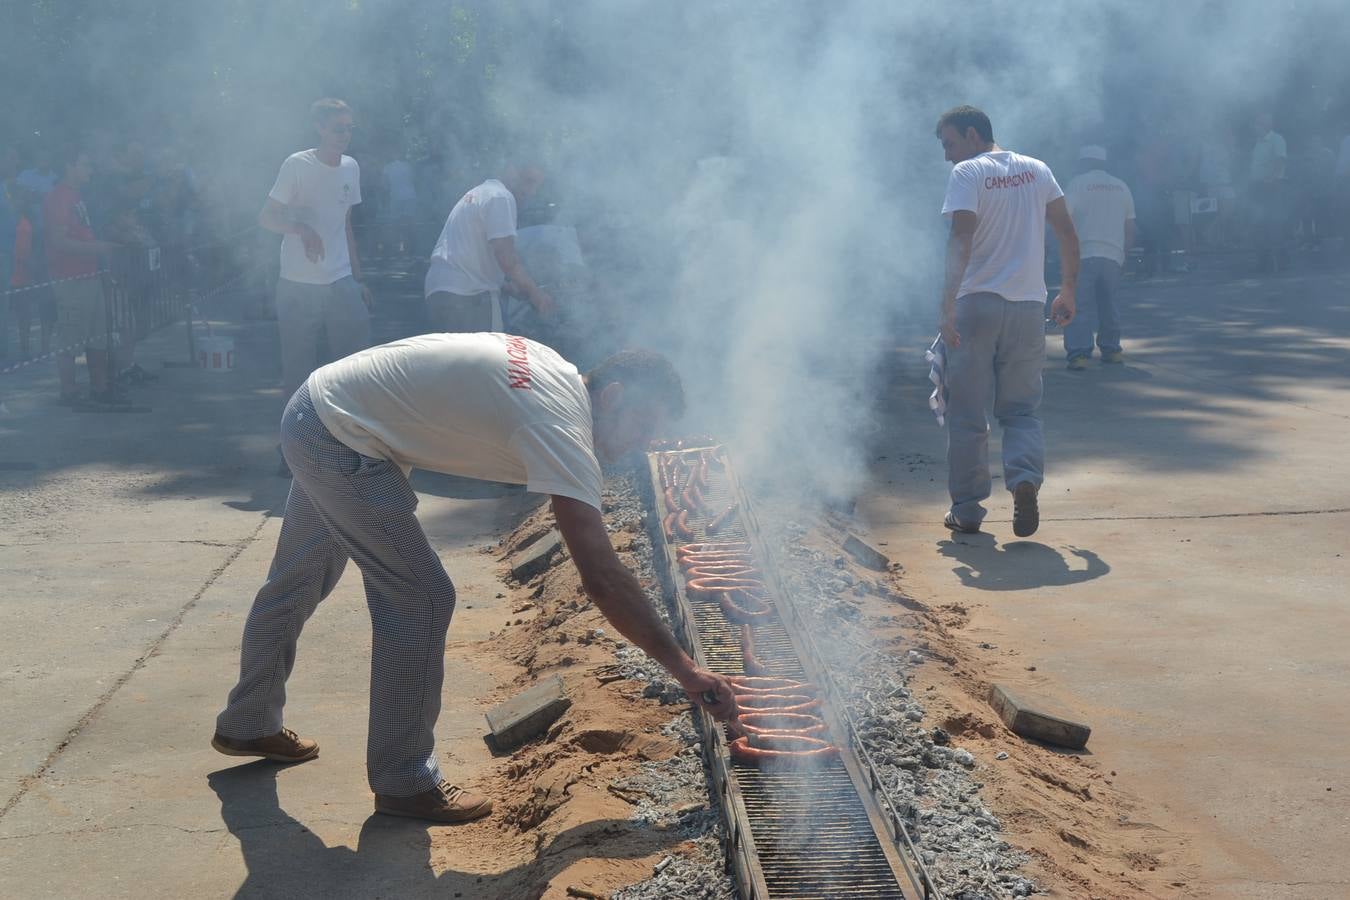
(801, 834)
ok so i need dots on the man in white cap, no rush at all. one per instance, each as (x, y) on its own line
(1102, 210)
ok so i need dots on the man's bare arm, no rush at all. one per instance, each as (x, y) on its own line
(277, 217)
(1129, 235)
(959, 242)
(1066, 304)
(504, 249)
(618, 595)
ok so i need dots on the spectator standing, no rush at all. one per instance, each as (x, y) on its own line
(1102, 209)
(319, 293)
(475, 256)
(993, 309)
(72, 263)
(1265, 188)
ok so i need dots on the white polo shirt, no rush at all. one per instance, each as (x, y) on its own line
(491, 406)
(1008, 193)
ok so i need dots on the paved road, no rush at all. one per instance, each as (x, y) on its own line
(1187, 589)
(130, 548)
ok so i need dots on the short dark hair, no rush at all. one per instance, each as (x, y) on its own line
(963, 117)
(324, 110)
(646, 373)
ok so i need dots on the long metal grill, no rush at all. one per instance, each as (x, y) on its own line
(824, 832)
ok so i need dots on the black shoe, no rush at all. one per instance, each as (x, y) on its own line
(1026, 512)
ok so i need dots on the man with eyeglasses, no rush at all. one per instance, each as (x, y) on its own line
(320, 293)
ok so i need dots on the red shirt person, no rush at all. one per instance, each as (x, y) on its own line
(82, 324)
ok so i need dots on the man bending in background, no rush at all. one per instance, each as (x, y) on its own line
(475, 257)
(993, 308)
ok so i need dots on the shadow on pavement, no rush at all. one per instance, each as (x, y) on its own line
(1017, 565)
(392, 857)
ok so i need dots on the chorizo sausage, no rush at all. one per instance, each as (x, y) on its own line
(723, 518)
(715, 546)
(742, 749)
(783, 703)
(682, 528)
(762, 683)
(749, 661)
(740, 615)
(779, 723)
(668, 526)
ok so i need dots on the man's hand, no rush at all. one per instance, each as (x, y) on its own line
(313, 243)
(1064, 308)
(947, 326)
(367, 297)
(719, 702)
(543, 303)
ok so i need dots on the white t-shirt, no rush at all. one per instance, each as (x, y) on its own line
(490, 406)
(1008, 193)
(1099, 205)
(319, 195)
(463, 262)
(398, 179)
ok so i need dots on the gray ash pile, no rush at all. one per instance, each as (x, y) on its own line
(934, 784)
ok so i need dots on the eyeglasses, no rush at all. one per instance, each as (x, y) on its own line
(342, 129)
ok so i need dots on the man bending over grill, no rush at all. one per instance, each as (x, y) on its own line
(489, 406)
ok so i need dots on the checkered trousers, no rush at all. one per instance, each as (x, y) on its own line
(344, 505)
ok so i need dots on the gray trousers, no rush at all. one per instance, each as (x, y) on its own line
(306, 314)
(342, 505)
(1098, 283)
(457, 313)
(997, 366)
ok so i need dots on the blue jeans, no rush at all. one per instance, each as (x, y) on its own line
(1098, 283)
(998, 366)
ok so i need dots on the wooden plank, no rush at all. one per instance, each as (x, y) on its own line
(1027, 721)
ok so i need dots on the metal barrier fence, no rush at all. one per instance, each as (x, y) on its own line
(144, 289)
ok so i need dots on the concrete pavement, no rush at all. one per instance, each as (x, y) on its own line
(1186, 591)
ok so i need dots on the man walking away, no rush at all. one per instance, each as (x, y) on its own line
(1102, 209)
(319, 293)
(475, 257)
(993, 307)
(489, 406)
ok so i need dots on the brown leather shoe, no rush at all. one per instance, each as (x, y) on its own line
(284, 746)
(443, 803)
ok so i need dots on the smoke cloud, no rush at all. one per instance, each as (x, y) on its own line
(757, 183)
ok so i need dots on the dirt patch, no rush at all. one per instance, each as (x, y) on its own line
(1063, 809)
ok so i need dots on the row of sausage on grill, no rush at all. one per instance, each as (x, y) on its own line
(685, 477)
(779, 719)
